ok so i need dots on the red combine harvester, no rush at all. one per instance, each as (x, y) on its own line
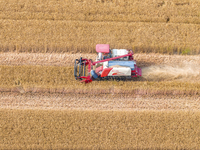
(110, 64)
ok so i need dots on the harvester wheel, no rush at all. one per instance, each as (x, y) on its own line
(117, 79)
(123, 78)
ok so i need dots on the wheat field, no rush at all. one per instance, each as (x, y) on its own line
(58, 129)
(47, 78)
(170, 26)
(42, 106)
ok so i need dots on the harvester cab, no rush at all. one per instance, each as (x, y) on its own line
(103, 51)
(110, 64)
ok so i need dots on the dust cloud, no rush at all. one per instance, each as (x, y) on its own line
(182, 72)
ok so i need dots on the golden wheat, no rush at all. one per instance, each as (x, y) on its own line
(50, 129)
(170, 26)
(175, 11)
(61, 26)
(77, 36)
(54, 78)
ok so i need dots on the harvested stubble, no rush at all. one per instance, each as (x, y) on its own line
(170, 26)
(51, 129)
(61, 79)
(50, 59)
(67, 59)
(116, 102)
